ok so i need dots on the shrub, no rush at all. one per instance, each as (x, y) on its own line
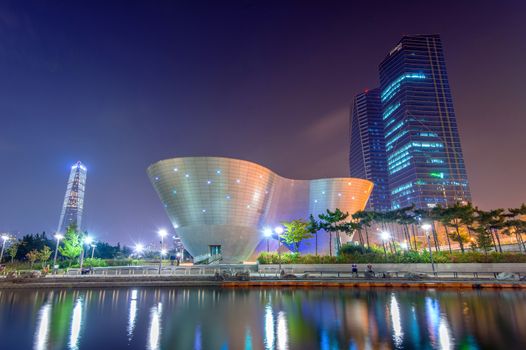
(353, 254)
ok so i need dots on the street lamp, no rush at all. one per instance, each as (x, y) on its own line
(163, 233)
(58, 237)
(4, 239)
(427, 227)
(404, 245)
(279, 231)
(139, 248)
(267, 232)
(385, 237)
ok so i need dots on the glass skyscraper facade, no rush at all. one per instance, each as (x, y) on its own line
(367, 158)
(74, 199)
(425, 165)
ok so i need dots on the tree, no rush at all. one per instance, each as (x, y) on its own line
(295, 232)
(330, 222)
(44, 254)
(314, 227)
(484, 239)
(515, 224)
(365, 218)
(13, 249)
(456, 217)
(72, 244)
(32, 256)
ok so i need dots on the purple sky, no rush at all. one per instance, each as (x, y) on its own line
(120, 85)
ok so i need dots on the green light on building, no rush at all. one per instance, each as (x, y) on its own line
(437, 175)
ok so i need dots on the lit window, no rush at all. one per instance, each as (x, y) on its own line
(238, 181)
(174, 191)
(204, 210)
(315, 201)
(218, 172)
(339, 194)
(186, 175)
(227, 197)
(176, 170)
(209, 182)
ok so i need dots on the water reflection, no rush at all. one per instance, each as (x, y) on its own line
(269, 328)
(76, 324)
(42, 329)
(133, 314)
(292, 319)
(155, 327)
(397, 324)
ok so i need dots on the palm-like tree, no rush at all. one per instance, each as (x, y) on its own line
(515, 225)
(331, 222)
(314, 227)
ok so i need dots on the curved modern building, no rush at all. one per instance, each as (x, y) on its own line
(221, 205)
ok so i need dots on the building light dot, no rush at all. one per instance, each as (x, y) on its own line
(339, 194)
(176, 170)
(323, 192)
(266, 192)
(238, 181)
(248, 206)
(353, 197)
(156, 178)
(260, 176)
(209, 182)
(315, 201)
(227, 197)
(218, 172)
(204, 210)
(174, 191)
(186, 175)
(166, 205)
(349, 183)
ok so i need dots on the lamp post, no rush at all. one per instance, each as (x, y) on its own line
(89, 241)
(426, 228)
(267, 233)
(163, 233)
(279, 231)
(385, 237)
(139, 248)
(58, 237)
(4, 239)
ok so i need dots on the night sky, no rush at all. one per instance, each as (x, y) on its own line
(121, 85)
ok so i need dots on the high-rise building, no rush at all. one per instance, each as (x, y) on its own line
(367, 158)
(74, 200)
(424, 158)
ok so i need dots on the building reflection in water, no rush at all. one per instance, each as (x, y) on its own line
(154, 334)
(397, 324)
(263, 319)
(132, 314)
(42, 331)
(76, 325)
(269, 327)
(283, 342)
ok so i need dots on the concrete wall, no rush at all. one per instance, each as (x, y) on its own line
(425, 268)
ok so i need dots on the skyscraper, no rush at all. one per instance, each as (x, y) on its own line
(367, 158)
(74, 200)
(424, 158)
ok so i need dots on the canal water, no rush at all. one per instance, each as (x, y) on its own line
(210, 318)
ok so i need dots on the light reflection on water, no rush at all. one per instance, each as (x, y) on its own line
(249, 319)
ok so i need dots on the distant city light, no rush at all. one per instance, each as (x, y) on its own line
(59, 236)
(5, 237)
(88, 240)
(163, 233)
(278, 230)
(426, 227)
(139, 248)
(385, 236)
